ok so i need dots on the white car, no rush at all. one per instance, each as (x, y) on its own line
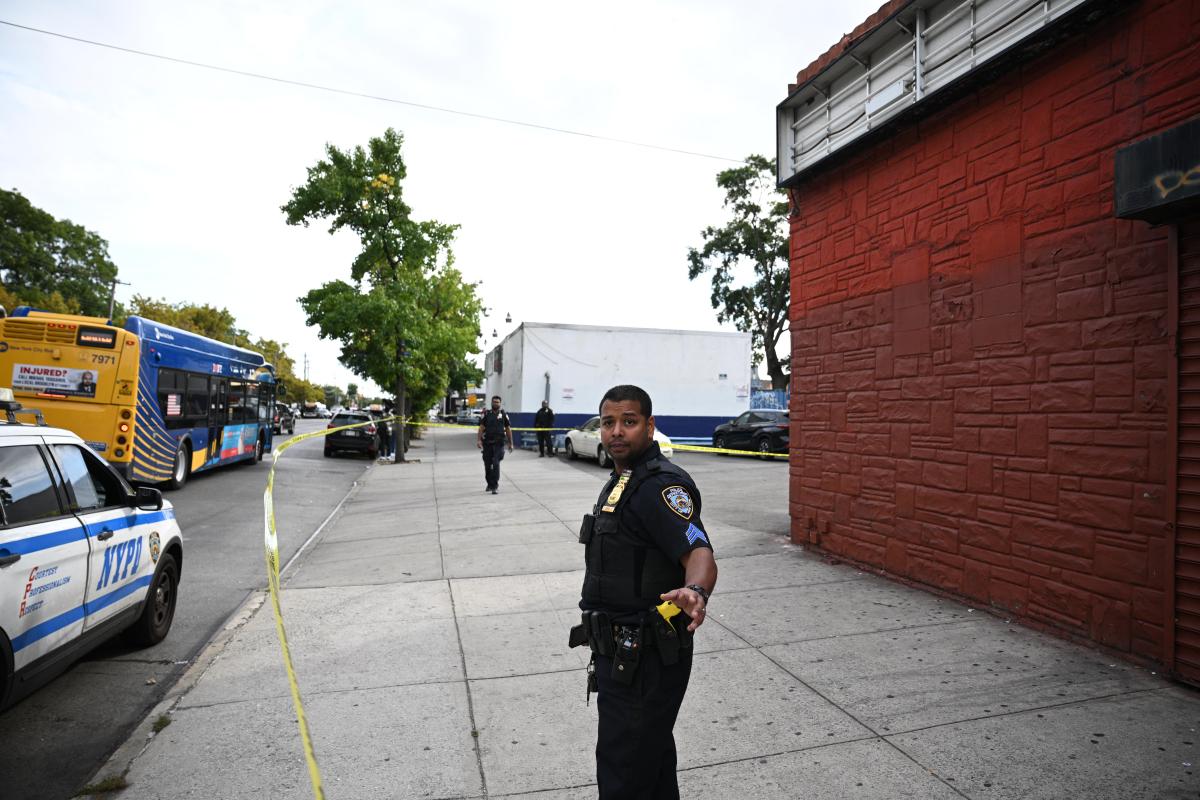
(83, 556)
(584, 442)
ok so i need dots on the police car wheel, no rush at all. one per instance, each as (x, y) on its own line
(571, 451)
(602, 456)
(179, 473)
(764, 447)
(159, 610)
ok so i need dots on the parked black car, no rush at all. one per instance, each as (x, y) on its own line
(763, 430)
(283, 421)
(363, 439)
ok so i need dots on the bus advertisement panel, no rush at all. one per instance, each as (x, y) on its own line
(158, 402)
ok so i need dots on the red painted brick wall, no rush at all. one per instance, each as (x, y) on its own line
(980, 348)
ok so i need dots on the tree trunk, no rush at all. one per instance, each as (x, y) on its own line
(400, 426)
(775, 369)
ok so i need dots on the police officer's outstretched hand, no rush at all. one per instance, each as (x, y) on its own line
(691, 602)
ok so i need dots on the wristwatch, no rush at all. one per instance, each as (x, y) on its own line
(700, 590)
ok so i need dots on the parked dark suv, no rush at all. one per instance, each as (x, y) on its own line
(363, 439)
(283, 420)
(763, 430)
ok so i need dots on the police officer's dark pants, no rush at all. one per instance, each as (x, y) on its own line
(635, 749)
(545, 444)
(492, 455)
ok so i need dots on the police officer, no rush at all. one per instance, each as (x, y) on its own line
(494, 430)
(645, 544)
(543, 420)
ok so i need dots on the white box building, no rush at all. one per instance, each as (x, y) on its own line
(696, 379)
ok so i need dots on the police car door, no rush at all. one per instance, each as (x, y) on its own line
(43, 554)
(120, 568)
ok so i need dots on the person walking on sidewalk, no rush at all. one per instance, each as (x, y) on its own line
(494, 431)
(544, 418)
(644, 544)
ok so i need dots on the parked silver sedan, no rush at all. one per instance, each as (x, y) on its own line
(584, 442)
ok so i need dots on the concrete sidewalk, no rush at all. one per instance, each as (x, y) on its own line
(429, 622)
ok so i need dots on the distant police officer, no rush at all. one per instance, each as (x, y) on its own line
(543, 420)
(494, 431)
(645, 544)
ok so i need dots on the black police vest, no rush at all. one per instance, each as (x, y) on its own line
(624, 571)
(493, 426)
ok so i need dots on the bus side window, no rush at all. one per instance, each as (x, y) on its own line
(266, 403)
(171, 385)
(197, 399)
(236, 403)
(250, 412)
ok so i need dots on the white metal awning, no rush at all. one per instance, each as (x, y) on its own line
(926, 47)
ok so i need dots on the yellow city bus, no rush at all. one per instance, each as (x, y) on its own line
(157, 402)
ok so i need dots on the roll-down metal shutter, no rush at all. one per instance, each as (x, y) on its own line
(1187, 509)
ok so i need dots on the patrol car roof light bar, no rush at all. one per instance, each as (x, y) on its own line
(11, 408)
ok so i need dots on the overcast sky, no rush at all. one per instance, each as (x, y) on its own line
(183, 169)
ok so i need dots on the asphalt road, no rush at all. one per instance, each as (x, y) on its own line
(52, 742)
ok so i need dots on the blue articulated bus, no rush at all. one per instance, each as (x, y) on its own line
(200, 404)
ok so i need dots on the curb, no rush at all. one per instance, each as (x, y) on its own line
(119, 763)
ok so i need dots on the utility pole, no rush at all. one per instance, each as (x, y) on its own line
(306, 367)
(112, 296)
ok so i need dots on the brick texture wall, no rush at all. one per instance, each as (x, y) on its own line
(980, 349)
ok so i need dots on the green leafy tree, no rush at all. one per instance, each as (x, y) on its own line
(352, 392)
(407, 317)
(51, 263)
(301, 391)
(464, 374)
(755, 238)
(285, 374)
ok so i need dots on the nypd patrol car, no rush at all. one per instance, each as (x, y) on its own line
(83, 556)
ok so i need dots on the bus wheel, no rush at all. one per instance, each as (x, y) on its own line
(183, 460)
(258, 449)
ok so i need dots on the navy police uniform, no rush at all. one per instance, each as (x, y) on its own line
(495, 426)
(646, 519)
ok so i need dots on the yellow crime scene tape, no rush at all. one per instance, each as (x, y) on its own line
(271, 541)
(272, 554)
(691, 448)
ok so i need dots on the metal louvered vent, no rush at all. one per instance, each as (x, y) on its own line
(924, 48)
(24, 330)
(27, 330)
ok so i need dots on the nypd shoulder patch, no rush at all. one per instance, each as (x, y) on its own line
(679, 501)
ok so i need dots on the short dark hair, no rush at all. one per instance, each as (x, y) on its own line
(626, 391)
(497, 397)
